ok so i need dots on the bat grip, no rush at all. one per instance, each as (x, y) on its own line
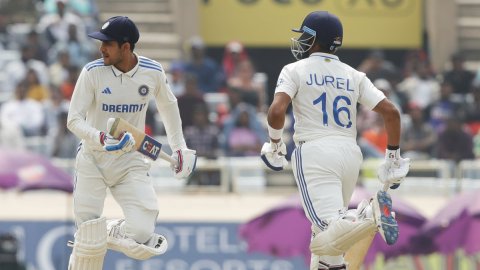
(386, 186)
(168, 158)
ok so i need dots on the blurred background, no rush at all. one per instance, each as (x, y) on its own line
(222, 59)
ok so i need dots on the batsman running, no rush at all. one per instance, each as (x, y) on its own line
(324, 93)
(119, 85)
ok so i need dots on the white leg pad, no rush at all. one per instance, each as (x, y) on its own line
(340, 236)
(118, 241)
(90, 246)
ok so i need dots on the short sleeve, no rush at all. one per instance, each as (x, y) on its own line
(286, 82)
(370, 96)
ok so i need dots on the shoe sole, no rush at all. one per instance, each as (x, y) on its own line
(385, 220)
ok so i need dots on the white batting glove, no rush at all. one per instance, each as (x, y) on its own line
(273, 155)
(186, 159)
(393, 169)
(124, 144)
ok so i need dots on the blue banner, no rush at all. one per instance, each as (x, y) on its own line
(192, 246)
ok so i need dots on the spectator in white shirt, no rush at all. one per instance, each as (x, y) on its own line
(23, 113)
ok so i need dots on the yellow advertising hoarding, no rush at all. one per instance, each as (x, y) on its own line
(267, 23)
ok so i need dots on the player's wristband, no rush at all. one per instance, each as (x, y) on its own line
(275, 134)
(392, 154)
(393, 147)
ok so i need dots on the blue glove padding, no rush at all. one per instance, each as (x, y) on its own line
(119, 146)
(273, 155)
(187, 160)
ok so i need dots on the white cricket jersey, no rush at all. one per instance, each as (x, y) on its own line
(325, 93)
(103, 91)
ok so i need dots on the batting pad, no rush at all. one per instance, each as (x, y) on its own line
(90, 246)
(340, 236)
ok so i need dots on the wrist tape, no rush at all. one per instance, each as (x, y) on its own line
(275, 134)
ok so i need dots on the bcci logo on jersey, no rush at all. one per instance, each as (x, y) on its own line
(143, 90)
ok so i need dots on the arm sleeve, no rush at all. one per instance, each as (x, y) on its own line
(370, 96)
(286, 82)
(168, 109)
(82, 98)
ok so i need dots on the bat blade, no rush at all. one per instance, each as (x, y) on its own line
(144, 144)
(356, 254)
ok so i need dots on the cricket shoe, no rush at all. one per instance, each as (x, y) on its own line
(385, 217)
(364, 210)
(115, 228)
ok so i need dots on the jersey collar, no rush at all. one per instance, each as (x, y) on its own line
(130, 73)
(325, 55)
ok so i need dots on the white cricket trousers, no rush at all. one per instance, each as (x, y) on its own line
(326, 171)
(127, 178)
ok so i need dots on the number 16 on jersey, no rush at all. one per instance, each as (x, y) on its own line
(337, 109)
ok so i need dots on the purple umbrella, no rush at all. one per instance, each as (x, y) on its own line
(29, 171)
(285, 231)
(409, 222)
(456, 226)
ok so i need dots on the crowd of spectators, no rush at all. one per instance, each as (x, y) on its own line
(41, 57)
(438, 108)
(222, 103)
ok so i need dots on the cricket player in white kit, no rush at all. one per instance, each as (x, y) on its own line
(119, 85)
(324, 93)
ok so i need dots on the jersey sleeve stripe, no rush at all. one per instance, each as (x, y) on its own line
(150, 67)
(96, 62)
(150, 63)
(146, 59)
(94, 66)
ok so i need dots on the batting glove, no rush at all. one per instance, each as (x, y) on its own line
(119, 146)
(273, 155)
(186, 162)
(393, 169)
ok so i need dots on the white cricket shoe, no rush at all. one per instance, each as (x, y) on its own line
(364, 210)
(114, 228)
(385, 217)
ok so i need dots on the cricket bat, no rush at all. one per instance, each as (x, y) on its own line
(144, 144)
(356, 254)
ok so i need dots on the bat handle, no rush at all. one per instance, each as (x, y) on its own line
(386, 186)
(168, 158)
